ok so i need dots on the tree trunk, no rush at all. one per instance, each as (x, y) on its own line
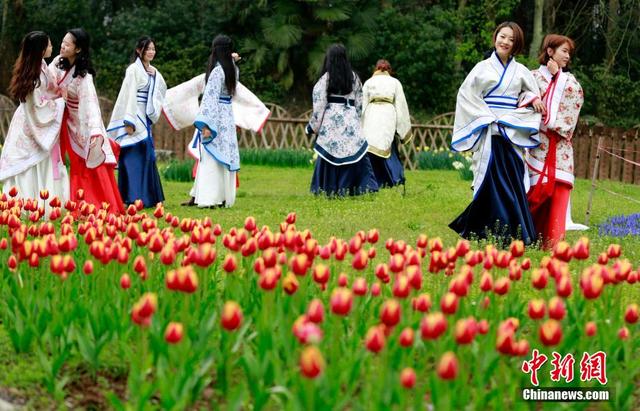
(536, 39)
(612, 32)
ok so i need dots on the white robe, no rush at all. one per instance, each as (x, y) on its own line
(384, 113)
(141, 96)
(493, 99)
(31, 159)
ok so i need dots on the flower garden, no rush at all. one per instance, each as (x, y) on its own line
(156, 309)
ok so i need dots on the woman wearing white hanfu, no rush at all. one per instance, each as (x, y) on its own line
(342, 167)
(137, 108)
(497, 116)
(217, 141)
(181, 108)
(31, 159)
(385, 115)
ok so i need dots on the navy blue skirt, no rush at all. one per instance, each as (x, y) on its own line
(388, 171)
(138, 176)
(348, 179)
(500, 208)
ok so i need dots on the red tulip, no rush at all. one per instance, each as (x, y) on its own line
(465, 330)
(144, 309)
(486, 281)
(521, 348)
(382, 272)
(290, 283)
(422, 303)
(557, 310)
(581, 249)
(12, 263)
(550, 333)
(173, 333)
(408, 378)
(230, 263)
(341, 301)
(268, 280)
(563, 286)
(540, 278)
(590, 329)
(591, 283)
(125, 281)
(433, 325)
(447, 368)
(501, 286)
(623, 333)
(231, 317)
(375, 289)
(375, 339)
(396, 263)
(562, 251)
(315, 311)
(406, 337)
(536, 309)
(483, 327)
(250, 223)
(422, 241)
(390, 313)
(311, 362)
(373, 235)
(603, 258)
(360, 259)
(401, 287)
(614, 251)
(517, 248)
(343, 280)
(360, 286)
(13, 191)
(631, 313)
(300, 264)
(321, 274)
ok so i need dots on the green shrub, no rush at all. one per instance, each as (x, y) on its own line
(178, 170)
(440, 159)
(277, 158)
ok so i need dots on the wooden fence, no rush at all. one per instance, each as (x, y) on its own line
(284, 130)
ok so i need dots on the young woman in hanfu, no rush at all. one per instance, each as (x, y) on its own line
(342, 166)
(551, 163)
(83, 136)
(137, 108)
(385, 115)
(216, 139)
(497, 117)
(31, 159)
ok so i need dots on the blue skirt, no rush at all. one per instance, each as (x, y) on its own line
(388, 171)
(138, 176)
(500, 208)
(348, 179)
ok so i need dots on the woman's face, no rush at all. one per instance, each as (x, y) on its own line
(48, 50)
(68, 47)
(149, 53)
(561, 55)
(504, 42)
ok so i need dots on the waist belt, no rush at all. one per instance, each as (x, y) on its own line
(342, 100)
(382, 100)
(224, 99)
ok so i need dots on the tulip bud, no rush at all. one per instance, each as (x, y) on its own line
(539, 278)
(465, 330)
(581, 249)
(631, 313)
(406, 337)
(557, 310)
(360, 286)
(125, 282)
(230, 263)
(375, 339)
(614, 251)
(311, 362)
(536, 309)
(447, 368)
(501, 286)
(550, 333)
(375, 289)
(408, 378)
(173, 333)
(590, 329)
(433, 326)
(390, 313)
(231, 317)
(422, 303)
(341, 301)
(623, 333)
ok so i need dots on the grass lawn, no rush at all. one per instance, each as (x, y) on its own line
(432, 199)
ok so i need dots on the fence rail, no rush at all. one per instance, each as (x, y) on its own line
(284, 130)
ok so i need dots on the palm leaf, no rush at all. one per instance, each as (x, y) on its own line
(279, 33)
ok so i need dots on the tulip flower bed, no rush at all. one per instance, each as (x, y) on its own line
(155, 310)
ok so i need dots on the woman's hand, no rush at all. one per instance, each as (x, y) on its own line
(538, 106)
(129, 129)
(236, 57)
(206, 133)
(553, 67)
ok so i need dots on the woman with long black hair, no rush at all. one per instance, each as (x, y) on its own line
(342, 167)
(30, 158)
(137, 108)
(216, 139)
(83, 136)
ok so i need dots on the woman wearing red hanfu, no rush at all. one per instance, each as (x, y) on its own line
(83, 136)
(551, 163)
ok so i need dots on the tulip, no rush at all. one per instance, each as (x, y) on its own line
(12, 263)
(422, 241)
(408, 378)
(231, 317)
(360, 286)
(590, 329)
(433, 326)
(321, 274)
(125, 282)
(521, 348)
(375, 289)
(382, 272)
(540, 278)
(401, 287)
(250, 223)
(422, 303)
(373, 236)
(562, 251)
(230, 263)
(505, 342)
(486, 281)
(13, 191)
(517, 248)
(396, 263)
(631, 313)
(550, 333)
(390, 313)
(591, 283)
(603, 258)
(501, 286)
(465, 330)
(375, 339)
(447, 368)
(173, 333)
(144, 309)
(623, 333)
(563, 286)
(341, 301)
(557, 309)
(614, 251)
(343, 280)
(290, 283)
(360, 260)
(406, 337)
(268, 280)
(311, 362)
(483, 327)
(315, 311)
(536, 309)
(581, 249)
(300, 264)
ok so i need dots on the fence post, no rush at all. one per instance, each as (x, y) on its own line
(594, 177)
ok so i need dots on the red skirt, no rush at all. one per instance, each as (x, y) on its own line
(99, 184)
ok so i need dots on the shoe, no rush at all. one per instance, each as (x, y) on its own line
(189, 203)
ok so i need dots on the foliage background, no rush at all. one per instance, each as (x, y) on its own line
(431, 44)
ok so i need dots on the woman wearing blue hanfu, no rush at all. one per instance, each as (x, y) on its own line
(385, 115)
(137, 108)
(342, 167)
(497, 116)
(217, 141)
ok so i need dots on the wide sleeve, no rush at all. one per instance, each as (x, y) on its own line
(319, 97)
(209, 108)
(403, 119)
(473, 115)
(365, 96)
(357, 91)
(43, 113)
(89, 109)
(569, 109)
(125, 109)
(530, 90)
(181, 105)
